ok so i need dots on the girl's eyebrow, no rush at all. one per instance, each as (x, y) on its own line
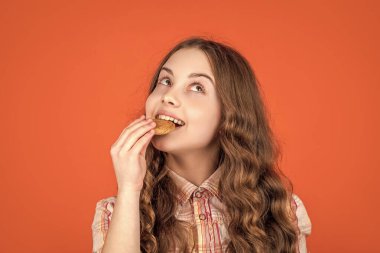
(191, 75)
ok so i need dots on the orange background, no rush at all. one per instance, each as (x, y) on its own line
(74, 73)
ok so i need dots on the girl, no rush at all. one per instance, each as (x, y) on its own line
(211, 185)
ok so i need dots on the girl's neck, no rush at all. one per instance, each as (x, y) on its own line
(195, 166)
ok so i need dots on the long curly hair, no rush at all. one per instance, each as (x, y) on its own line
(257, 195)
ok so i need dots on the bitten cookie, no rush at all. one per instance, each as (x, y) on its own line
(163, 126)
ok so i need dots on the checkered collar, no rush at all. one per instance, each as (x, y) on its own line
(187, 188)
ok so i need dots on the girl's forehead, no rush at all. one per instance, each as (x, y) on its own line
(188, 60)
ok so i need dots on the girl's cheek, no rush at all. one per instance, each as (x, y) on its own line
(158, 92)
(197, 101)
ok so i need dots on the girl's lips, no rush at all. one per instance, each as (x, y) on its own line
(163, 112)
(176, 125)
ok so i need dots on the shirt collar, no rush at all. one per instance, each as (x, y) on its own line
(187, 188)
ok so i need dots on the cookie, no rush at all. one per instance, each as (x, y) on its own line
(163, 126)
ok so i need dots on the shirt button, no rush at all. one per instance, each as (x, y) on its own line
(202, 216)
(198, 194)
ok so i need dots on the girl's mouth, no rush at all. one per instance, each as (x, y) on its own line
(176, 122)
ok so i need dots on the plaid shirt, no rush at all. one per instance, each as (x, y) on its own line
(201, 207)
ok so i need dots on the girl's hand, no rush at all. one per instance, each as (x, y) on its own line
(128, 154)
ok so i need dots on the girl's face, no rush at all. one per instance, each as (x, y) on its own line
(186, 90)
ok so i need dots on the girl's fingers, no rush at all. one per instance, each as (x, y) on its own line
(135, 135)
(142, 117)
(131, 127)
(142, 144)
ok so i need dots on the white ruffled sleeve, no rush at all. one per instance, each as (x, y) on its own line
(101, 222)
(304, 223)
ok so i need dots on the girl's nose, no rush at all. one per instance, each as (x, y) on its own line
(169, 100)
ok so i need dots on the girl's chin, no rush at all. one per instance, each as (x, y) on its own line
(165, 146)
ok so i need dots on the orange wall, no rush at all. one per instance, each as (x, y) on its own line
(72, 76)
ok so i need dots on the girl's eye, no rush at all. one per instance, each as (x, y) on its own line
(198, 85)
(194, 84)
(164, 78)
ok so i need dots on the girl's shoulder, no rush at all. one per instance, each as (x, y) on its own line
(303, 218)
(106, 200)
(102, 217)
(103, 210)
(105, 206)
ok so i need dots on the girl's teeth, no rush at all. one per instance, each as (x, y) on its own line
(179, 122)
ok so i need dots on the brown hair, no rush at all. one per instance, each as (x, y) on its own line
(261, 216)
